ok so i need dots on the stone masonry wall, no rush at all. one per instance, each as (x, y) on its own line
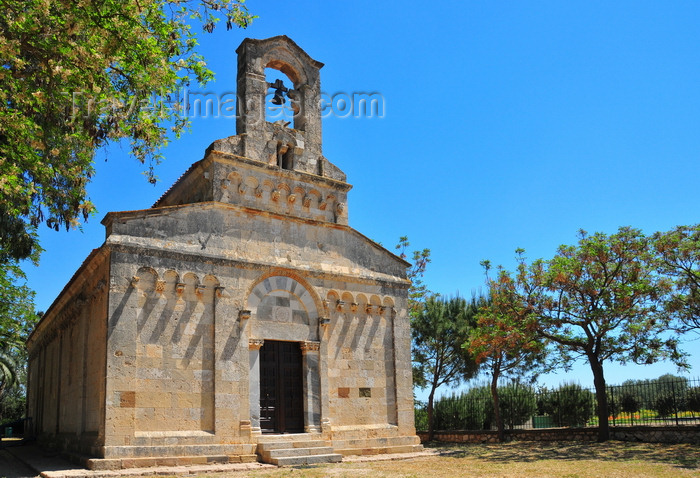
(67, 366)
(682, 434)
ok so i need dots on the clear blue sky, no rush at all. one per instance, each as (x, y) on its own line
(507, 124)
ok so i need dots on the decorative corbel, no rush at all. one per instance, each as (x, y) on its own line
(179, 288)
(275, 195)
(326, 306)
(255, 344)
(242, 189)
(353, 306)
(219, 291)
(259, 192)
(199, 290)
(134, 281)
(324, 321)
(322, 205)
(339, 208)
(309, 346)
(382, 309)
(306, 201)
(339, 305)
(160, 286)
(291, 198)
(244, 314)
(225, 183)
(368, 309)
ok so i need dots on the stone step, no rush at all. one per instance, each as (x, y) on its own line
(381, 450)
(293, 444)
(102, 464)
(307, 460)
(289, 437)
(376, 442)
(285, 452)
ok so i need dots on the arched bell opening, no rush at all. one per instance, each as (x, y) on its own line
(282, 104)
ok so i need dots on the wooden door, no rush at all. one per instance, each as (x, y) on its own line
(281, 388)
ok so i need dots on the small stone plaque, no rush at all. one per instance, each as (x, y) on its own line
(365, 392)
(343, 392)
(127, 399)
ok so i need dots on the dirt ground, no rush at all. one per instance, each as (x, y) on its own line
(515, 459)
(520, 459)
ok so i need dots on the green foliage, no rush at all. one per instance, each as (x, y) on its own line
(439, 331)
(692, 399)
(419, 261)
(420, 415)
(505, 342)
(678, 254)
(665, 405)
(470, 410)
(517, 403)
(474, 409)
(12, 389)
(9, 368)
(569, 405)
(17, 317)
(629, 403)
(600, 300)
(79, 75)
(668, 395)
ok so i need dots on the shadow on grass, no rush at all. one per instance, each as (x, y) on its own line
(679, 455)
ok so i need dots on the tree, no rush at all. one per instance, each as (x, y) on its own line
(76, 76)
(418, 291)
(13, 383)
(9, 370)
(678, 254)
(504, 341)
(439, 330)
(17, 319)
(599, 300)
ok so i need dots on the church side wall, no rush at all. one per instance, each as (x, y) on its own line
(66, 367)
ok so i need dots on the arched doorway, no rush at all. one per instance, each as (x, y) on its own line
(284, 356)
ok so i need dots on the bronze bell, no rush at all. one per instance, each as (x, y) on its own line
(278, 99)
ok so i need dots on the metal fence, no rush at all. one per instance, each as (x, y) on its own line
(662, 401)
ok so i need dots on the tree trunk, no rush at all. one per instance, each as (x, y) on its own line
(601, 398)
(431, 424)
(497, 405)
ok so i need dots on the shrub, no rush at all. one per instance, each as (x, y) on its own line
(517, 404)
(420, 415)
(569, 405)
(466, 411)
(665, 405)
(693, 399)
(629, 403)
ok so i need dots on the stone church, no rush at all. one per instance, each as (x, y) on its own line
(239, 318)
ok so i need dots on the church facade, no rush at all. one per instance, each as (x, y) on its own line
(240, 311)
